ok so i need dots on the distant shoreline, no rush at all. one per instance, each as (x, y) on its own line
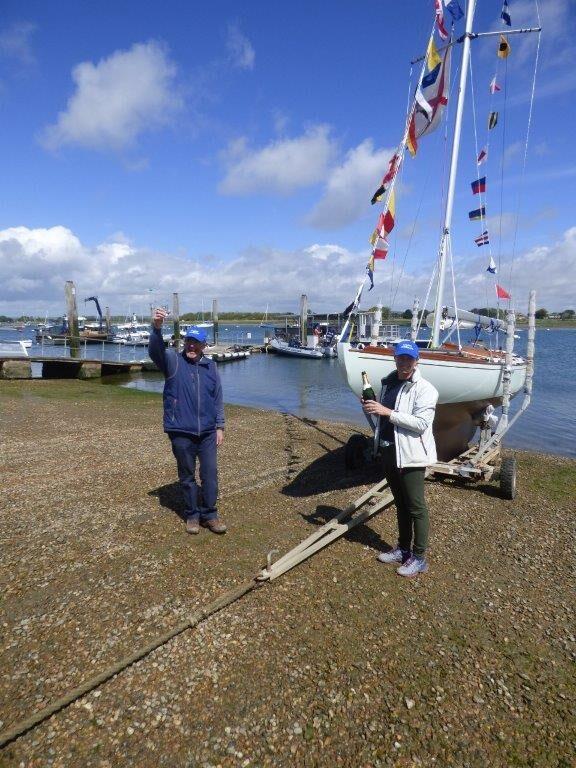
(552, 325)
(540, 324)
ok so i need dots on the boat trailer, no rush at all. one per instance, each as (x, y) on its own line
(482, 460)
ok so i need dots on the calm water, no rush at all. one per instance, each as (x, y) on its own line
(316, 388)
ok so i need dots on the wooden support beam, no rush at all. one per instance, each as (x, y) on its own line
(72, 314)
(215, 320)
(176, 319)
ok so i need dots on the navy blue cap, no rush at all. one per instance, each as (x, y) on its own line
(407, 348)
(196, 334)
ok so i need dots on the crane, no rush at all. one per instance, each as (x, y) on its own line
(95, 300)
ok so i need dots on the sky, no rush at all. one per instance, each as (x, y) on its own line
(230, 150)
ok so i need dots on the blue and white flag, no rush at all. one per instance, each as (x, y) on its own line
(491, 267)
(354, 305)
(505, 15)
(370, 271)
(453, 8)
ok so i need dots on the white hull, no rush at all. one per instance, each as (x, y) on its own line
(465, 389)
(456, 381)
(283, 348)
(14, 348)
(132, 340)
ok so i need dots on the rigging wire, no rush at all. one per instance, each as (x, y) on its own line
(502, 163)
(444, 190)
(476, 154)
(525, 158)
(424, 189)
(449, 249)
(394, 250)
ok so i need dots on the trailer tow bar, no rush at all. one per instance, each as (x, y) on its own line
(371, 503)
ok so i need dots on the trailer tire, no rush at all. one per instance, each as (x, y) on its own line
(355, 452)
(508, 478)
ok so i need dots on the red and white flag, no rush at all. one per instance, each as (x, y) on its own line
(494, 87)
(482, 156)
(501, 293)
(440, 19)
(380, 250)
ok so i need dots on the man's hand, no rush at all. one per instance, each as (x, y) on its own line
(219, 437)
(372, 408)
(158, 317)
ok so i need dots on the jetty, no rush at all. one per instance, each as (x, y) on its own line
(18, 367)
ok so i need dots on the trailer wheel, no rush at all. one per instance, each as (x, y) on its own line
(508, 478)
(355, 452)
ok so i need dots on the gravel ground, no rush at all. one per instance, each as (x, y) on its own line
(337, 663)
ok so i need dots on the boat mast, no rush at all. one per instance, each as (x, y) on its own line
(452, 178)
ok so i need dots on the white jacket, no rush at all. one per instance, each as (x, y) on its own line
(412, 418)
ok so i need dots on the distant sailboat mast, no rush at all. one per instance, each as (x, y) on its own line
(446, 236)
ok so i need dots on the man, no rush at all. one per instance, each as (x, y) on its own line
(193, 420)
(406, 412)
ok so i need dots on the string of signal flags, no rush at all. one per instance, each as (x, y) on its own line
(479, 184)
(429, 101)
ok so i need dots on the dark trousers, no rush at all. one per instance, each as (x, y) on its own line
(187, 448)
(407, 486)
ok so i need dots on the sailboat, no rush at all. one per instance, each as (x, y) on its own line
(204, 323)
(471, 380)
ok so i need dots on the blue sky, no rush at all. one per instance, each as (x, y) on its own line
(230, 150)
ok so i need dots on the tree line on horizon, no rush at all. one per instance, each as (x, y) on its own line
(387, 314)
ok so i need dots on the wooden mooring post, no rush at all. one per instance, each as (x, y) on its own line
(72, 314)
(176, 319)
(215, 319)
(304, 319)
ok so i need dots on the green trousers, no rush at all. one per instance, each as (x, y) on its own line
(407, 486)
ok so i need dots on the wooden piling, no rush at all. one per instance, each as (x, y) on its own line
(215, 320)
(304, 319)
(72, 313)
(176, 319)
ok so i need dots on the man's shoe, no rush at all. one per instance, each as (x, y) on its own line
(192, 525)
(412, 567)
(215, 525)
(395, 555)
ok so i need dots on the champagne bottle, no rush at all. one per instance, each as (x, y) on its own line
(367, 391)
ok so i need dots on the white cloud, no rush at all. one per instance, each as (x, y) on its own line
(35, 263)
(240, 49)
(279, 168)
(350, 186)
(117, 99)
(16, 44)
(549, 269)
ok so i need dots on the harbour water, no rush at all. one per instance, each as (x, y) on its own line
(315, 389)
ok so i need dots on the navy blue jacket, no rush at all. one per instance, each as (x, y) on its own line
(193, 400)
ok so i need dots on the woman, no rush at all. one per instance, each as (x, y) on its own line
(404, 432)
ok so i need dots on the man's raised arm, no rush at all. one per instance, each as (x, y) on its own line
(156, 348)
